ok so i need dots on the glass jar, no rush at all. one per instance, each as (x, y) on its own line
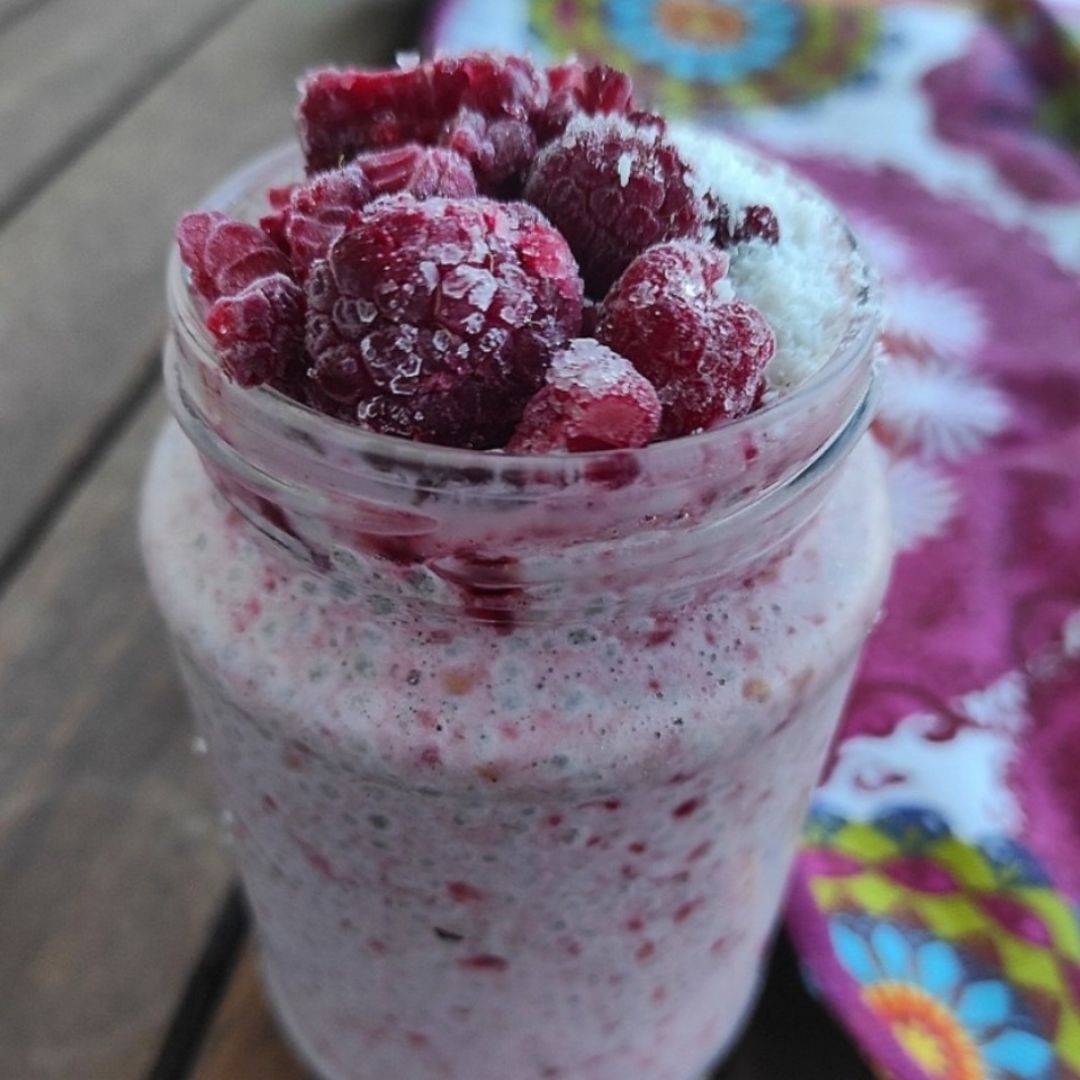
(516, 750)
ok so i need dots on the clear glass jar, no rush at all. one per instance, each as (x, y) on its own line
(516, 750)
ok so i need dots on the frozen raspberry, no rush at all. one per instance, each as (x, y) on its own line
(423, 171)
(674, 316)
(259, 332)
(273, 224)
(499, 148)
(344, 112)
(758, 223)
(319, 211)
(614, 188)
(593, 400)
(225, 256)
(575, 88)
(497, 97)
(437, 319)
(479, 104)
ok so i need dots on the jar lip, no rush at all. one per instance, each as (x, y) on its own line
(276, 408)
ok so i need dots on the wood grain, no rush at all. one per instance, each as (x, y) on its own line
(789, 1038)
(70, 67)
(81, 266)
(109, 849)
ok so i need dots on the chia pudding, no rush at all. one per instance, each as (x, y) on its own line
(516, 717)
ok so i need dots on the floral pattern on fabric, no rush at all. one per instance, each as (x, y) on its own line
(689, 55)
(963, 953)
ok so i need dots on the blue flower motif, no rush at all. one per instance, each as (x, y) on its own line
(966, 1026)
(762, 32)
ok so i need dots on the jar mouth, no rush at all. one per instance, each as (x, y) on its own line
(278, 412)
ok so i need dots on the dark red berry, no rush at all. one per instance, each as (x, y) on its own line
(479, 104)
(593, 400)
(575, 88)
(423, 171)
(496, 96)
(614, 188)
(757, 223)
(674, 316)
(273, 224)
(259, 332)
(344, 112)
(499, 148)
(437, 320)
(319, 212)
(225, 256)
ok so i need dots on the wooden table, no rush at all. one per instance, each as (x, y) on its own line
(123, 941)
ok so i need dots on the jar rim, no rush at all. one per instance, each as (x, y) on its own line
(273, 408)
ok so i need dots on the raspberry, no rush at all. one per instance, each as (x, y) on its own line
(614, 188)
(273, 224)
(479, 104)
(225, 256)
(758, 223)
(498, 148)
(423, 171)
(344, 112)
(319, 212)
(437, 319)
(674, 316)
(574, 88)
(259, 332)
(593, 400)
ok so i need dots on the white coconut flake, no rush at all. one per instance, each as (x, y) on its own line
(625, 166)
(794, 284)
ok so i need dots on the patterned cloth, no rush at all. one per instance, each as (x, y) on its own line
(936, 904)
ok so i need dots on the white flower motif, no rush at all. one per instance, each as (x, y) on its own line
(1001, 706)
(1071, 635)
(943, 411)
(923, 501)
(887, 248)
(948, 319)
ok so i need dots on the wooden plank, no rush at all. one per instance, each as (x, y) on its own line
(109, 849)
(81, 267)
(11, 11)
(790, 1037)
(63, 76)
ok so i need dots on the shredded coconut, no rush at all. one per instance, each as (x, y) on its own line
(794, 283)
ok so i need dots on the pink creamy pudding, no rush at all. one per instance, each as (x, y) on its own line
(516, 749)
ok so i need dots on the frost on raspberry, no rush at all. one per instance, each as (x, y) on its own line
(436, 320)
(593, 399)
(615, 187)
(673, 314)
(576, 89)
(757, 222)
(259, 332)
(226, 256)
(479, 105)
